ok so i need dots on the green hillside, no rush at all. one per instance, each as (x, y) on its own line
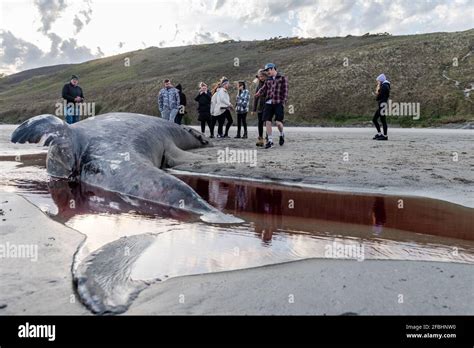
(331, 79)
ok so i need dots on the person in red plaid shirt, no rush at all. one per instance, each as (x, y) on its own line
(275, 91)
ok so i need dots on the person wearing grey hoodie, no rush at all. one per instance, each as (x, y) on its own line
(382, 95)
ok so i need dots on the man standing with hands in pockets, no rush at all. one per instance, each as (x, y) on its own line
(73, 95)
(275, 91)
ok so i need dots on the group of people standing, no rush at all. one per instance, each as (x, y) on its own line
(218, 98)
(215, 106)
(220, 108)
(270, 96)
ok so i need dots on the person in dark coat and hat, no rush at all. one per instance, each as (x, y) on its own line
(73, 95)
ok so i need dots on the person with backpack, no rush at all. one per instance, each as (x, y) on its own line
(182, 105)
(204, 108)
(242, 108)
(382, 93)
(221, 106)
(258, 105)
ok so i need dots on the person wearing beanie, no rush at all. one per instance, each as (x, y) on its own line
(382, 93)
(73, 95)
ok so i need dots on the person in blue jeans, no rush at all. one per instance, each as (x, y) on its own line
(73, 95)
(168, 101)
(242, 108)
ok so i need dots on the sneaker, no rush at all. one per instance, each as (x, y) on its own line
(269, 144)
(282, 140)
(244, 136)
(382, 137)
(212, 136)
(376, 136)
(220, 136)
(260, 142)
(237, 137)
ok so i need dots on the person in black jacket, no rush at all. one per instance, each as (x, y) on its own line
(204, 108)
(382, 95)
(182, 106)
(73, 95)
(258, 105)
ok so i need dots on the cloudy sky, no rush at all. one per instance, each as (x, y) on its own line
(36, 33)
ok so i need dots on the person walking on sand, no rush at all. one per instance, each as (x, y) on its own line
(258, 105)
(168, 101)
(242, 108)
(220, 108)
(382, 93)
(275, 91)
(73, 95)
(204, 108)
(182, 105)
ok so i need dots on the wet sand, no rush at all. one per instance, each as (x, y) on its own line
(43, 286)
(436, 163)
(318, 287)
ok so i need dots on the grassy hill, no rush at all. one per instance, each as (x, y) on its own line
(331, 79)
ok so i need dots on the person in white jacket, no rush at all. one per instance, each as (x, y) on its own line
(220, 108)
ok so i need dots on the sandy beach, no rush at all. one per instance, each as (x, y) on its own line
(413, 162)
(416, 162)
(436, 163)
(41, 284)
(318, 287)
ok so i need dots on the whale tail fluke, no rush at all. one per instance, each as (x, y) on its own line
(42, 128)
(103, 279)
(220, 218)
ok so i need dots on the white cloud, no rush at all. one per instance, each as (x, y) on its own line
(340, 17)
(206, 37)
(49, 11)
(17, 54)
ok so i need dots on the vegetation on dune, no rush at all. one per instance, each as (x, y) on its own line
(331, 79)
